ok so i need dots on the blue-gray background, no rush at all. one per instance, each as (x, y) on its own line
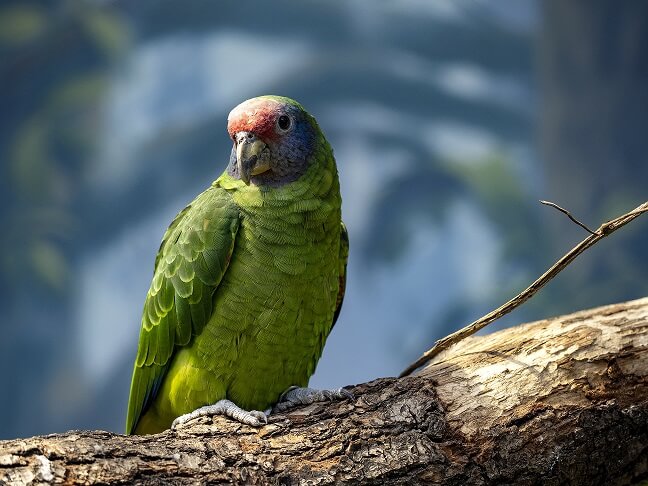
(449, 120)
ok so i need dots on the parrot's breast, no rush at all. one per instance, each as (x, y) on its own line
(278, 303)
(274, 308)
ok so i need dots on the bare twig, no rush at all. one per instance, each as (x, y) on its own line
(569, 215)
(604, 230)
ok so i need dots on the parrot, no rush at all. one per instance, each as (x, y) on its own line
(248, 281)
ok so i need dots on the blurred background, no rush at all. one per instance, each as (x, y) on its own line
(449, 120)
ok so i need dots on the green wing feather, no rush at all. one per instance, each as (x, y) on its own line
(190, 264)
(344, 256)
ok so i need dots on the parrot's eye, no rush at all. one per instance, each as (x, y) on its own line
(284, 122)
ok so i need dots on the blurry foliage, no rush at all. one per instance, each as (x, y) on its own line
(21, 23)
(423, 194)
(49, 264)
(496, 189)
(55, 58)
(507, 202)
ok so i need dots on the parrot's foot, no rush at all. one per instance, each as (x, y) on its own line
(294, 396)
(255, 418)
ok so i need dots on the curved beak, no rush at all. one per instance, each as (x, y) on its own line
(249, 156)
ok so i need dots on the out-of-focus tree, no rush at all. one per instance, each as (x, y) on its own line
(594, 112)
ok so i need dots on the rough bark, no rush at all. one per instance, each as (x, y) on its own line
(560, 401)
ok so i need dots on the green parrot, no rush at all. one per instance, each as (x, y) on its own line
(248, 282)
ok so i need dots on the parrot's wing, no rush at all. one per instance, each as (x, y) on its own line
(193, 257)
(344, 256)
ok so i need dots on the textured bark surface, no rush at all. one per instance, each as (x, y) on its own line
(560, 401)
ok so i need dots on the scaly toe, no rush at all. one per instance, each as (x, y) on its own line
(304, 396)
(255, 418)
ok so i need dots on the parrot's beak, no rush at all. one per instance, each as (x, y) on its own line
(250, 156)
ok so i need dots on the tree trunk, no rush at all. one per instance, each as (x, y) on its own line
(593, 62)
(593, 111)
(560, 401)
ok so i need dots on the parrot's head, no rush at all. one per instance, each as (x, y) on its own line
(274, 139)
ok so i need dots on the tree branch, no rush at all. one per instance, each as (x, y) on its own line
(560, 401)
(604, 230)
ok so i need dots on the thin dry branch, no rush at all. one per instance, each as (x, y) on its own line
(569, 215)
(604, 230)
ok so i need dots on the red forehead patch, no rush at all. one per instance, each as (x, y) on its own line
(257, 115)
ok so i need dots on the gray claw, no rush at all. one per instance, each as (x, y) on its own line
(255, 418)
